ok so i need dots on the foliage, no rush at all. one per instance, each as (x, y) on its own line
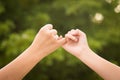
(21, 19)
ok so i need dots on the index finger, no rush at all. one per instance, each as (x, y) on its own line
(48, 27)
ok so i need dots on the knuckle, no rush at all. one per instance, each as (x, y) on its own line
(54, 31)
(72, 30)
(69, 32)
(66, 35)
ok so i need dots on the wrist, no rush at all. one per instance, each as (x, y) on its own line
(84, 52)
(37, 53)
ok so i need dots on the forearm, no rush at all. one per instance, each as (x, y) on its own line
(45, 42)
(19, 67)
(105, 69)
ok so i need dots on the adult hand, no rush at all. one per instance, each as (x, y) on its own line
(47, 40)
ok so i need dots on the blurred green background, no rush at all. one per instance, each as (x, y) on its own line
(20, 20)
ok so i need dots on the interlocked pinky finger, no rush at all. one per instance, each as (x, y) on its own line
(60, 37)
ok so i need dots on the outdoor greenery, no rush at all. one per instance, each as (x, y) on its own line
(20, 20)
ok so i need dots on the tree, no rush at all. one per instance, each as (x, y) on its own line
(21, 19)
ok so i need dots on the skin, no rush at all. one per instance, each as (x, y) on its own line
(77, 45)
(45, 42)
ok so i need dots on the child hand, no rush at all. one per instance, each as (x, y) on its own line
(76, 42)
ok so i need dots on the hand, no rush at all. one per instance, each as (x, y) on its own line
(76, 42)
(47, 40)
(77, 45)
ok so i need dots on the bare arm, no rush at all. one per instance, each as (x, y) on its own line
(45, 42)
(77, 45)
